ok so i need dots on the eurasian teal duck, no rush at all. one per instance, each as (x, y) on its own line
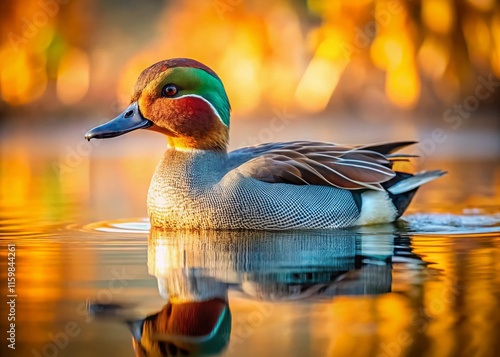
(274, 186)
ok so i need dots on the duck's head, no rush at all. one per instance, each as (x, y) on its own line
(181, 98)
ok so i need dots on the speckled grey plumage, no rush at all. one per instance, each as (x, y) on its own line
(209, 190)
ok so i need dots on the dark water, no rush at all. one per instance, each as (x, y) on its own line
(426, 286)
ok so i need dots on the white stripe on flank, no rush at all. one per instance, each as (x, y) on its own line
(206, 101)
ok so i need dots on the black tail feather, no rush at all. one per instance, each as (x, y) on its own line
(388, 148)
(403, 186)
(401, 201)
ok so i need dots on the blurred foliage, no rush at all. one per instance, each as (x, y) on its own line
(311, 55)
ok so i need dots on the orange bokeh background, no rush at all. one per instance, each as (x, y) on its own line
(312, 56)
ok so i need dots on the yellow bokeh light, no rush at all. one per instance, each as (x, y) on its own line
(15, 187)
(477, 36)
(495, 62)
(495, 53)
(377, 52)
(438, 15)
(22, 77)
(393, 51)
(403, 86)
(433, 57)
(73, 76)
(322, 75)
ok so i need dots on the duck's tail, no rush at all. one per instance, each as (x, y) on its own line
(402, 188)
(411, 182)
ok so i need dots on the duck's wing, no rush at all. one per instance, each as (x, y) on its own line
(318, 163)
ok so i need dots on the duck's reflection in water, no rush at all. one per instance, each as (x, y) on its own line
(196, 269)
(189, 328)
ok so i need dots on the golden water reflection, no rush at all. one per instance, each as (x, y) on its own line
(376, 292)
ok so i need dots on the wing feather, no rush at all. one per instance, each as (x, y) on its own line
(324, 164)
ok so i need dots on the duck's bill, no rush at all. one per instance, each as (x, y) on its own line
(131, 119)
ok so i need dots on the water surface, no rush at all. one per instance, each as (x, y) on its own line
(92, 279)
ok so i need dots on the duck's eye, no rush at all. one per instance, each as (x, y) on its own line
(169, 90)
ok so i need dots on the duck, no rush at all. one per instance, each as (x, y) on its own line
(198, 184)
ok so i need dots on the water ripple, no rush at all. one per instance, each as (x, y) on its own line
(136, 225)
(453, 224)
(413, 224)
